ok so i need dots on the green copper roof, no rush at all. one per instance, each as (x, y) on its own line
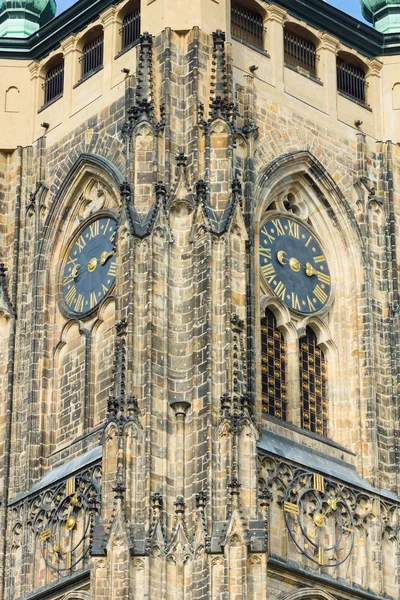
(19, 18)
(384, 14)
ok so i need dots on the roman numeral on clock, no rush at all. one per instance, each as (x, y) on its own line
(93, 299)
(279, 227)
(69, 298)
(81, 243)
(280, 290)
(79, 303)
(291, 508)
(268, 271)
(294, 229)
(319, 259)
(112, 271)
(70, 486)
(94, 229)
(270, 237)
(265, 252)
(324, 278)
(295, 301)
(320, 294)
(319, 482)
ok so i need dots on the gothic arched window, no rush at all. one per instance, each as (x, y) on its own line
(313, 384)
(273, 357)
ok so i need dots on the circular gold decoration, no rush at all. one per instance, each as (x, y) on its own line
(319, 519)
(293, 264)
(70, 523)
(89, 268)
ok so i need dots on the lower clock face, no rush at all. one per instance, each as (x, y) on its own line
(319, 519)
(63, 527)
(90, 267)
(294, 264)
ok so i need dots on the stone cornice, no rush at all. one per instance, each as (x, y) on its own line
(318, 14)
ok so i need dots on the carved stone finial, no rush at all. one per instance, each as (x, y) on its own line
(156, 502)
(125, 190)
(236, 187)
(119, 491)
(226, 401)
(180, 506)
(201, 500)
(237, 323)
(121, 327)
(201, 190)
(218, 39)
(181, 159)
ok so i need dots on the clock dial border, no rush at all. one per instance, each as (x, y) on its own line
(71, 243)
(269, 289)
(293, 508)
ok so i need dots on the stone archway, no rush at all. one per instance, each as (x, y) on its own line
(306, 594)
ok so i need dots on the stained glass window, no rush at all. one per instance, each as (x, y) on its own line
(313, 385)
(273, 368)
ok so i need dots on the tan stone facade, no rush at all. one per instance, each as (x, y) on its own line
(136, 460)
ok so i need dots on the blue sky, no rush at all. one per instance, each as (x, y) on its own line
(352, 7)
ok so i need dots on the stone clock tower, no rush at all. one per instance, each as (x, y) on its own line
(199, 303)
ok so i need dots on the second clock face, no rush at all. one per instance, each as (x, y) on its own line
(90, 268)
(294, 265)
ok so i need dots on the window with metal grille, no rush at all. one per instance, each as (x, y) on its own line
(54, 83)
(351, 80)
(92, 55)
(273, 368)
(130, 30)
(300, 52)
(247, 25)
(313, 385)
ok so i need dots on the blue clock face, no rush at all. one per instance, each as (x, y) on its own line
(294, 265)
(90, 268)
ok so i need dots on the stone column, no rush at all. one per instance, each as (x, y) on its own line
(275, 24)
(374, 94)
(71, 75)
(329, 47)
(108, 18)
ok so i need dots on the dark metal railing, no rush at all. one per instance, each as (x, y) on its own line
(351, 80)
(300, 53)
(54, 83)
(130, 30)
(247, 25)
(92, 55)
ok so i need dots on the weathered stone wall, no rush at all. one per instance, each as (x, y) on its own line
(190, 508)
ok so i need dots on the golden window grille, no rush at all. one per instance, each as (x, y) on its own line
(313, 385)
(273, 368)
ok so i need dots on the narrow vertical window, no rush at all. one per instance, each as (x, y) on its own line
(54, 83)
(313, 385)
(92, 56)
(247, 25)
(273, 368)
(130, 30)
(351, 81)
(300, 52)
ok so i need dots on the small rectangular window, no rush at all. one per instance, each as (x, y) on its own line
(351, 81)
(247, 25)
(130, 30)
(300, 52)
(92, 55)
(54, 83)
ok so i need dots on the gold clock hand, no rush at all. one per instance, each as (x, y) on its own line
(310, 270)
(105, 256)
